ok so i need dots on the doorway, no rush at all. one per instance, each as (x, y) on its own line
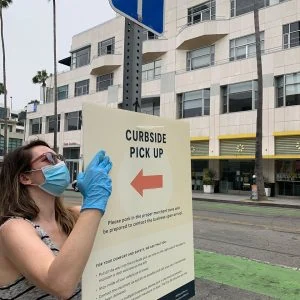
(236, 176)
(73, 166)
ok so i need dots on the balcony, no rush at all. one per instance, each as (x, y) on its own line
(153, 49)
(105, 64)
(201, 34)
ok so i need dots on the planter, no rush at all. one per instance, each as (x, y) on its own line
(208, 189)
(268, 192)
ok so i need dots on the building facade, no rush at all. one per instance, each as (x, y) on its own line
(15, 132)
(203, 70)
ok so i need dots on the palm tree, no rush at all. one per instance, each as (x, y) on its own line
(55, 76)
(261, 195)
(4, 4)
(40, 78)
(1, 88)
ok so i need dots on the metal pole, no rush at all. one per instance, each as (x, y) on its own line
(55, 147)
(133, 59)
(140, 10)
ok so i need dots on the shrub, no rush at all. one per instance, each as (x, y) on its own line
(209, 177)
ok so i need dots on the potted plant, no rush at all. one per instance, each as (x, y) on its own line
(267, 187)
(209, 181)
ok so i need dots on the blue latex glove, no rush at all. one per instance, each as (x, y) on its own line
(95, 184)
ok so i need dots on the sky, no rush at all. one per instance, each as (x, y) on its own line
(29, 40)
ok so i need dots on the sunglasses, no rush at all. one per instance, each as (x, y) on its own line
(51, 157)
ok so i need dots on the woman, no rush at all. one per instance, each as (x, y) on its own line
(44, 246)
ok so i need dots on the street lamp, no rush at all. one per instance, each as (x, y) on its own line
(10, 105)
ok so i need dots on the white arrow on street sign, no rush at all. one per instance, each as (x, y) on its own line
(147, 13)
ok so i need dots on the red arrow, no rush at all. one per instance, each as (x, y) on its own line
(141, 182)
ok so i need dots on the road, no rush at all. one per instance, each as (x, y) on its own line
(264, 234)
(259, 234)
(72, 198)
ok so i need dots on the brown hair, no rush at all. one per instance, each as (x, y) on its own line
(14, 197)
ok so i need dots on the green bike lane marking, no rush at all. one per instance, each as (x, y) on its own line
(253, 276)
(262, 210)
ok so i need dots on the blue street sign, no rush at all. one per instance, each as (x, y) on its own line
(147, 13)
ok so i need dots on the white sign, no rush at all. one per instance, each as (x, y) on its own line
(31, 107)
(144, 246)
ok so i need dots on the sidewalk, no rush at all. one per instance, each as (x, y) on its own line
(245, 200)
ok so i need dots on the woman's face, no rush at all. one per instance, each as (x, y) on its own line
(38, 161)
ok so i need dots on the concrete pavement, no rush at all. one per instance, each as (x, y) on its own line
(245, 199)
(226, 198)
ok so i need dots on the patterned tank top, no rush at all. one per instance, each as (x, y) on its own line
(22, 289)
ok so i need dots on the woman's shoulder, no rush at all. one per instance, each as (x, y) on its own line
(15, 225)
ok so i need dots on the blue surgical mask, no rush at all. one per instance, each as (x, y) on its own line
(57, 179)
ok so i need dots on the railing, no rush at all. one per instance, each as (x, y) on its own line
(102, 55)
(91, 92)
(189, 25)
(229, 60)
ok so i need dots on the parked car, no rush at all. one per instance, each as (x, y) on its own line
(74, 186)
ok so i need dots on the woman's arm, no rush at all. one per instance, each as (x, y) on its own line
(58, 275)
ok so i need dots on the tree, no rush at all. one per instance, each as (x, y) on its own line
(261, 195)
(4, 4)
(34, 101)
(1, 88)
(55, 75)
(40, 78)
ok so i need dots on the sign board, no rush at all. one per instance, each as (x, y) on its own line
(147, 13)
(254, 192)
(31, 107)
(144, 245)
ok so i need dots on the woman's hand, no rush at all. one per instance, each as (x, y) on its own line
(95, 183)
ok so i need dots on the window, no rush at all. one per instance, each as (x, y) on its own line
(73, 121)
(245, 46)
(36, 126)
(104, 81)
(291, 35)
(81, 57)
(288, 90)
(14, 143)
(9, 127)
(50, 124)
(194, 104)
(202, 12)
(151, 71)
(49, 95)
(148, 35)
(239, 7)
(3, 113)
(200, 58)
(239, 97)
(151, 106)
(62, 92)
(106, 47)
(71, 153)
(82, 87)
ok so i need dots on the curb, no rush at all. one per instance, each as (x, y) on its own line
(250, 203)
